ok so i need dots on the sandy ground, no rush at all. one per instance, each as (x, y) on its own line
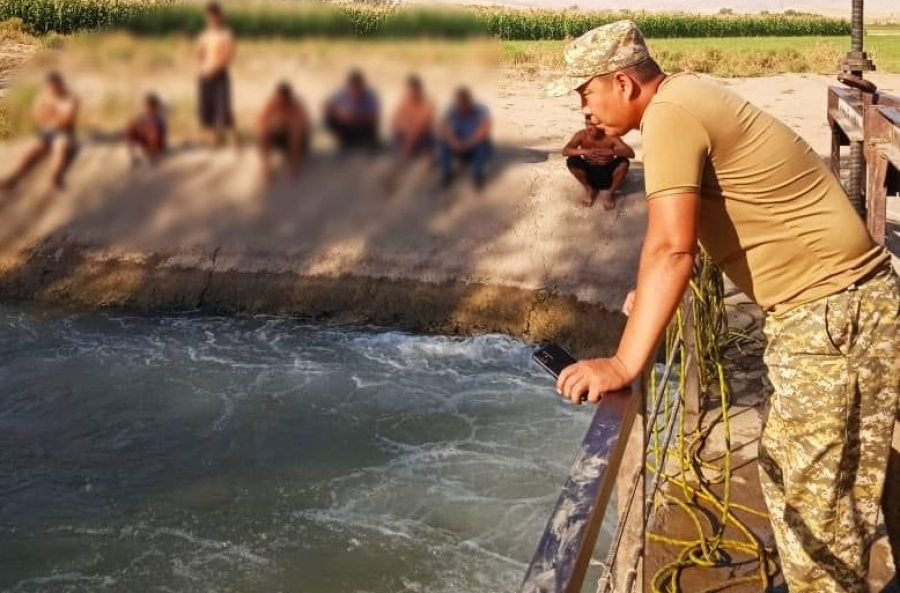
(525, 231)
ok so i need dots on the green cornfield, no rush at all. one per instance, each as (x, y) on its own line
(320, 19)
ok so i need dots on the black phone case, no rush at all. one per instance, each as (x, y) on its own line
(553, 359)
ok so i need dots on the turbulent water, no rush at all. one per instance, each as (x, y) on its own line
(267, 455)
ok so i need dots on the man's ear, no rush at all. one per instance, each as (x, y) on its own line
(623, 83)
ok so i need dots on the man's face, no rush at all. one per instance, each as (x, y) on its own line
(213, 20)
(607, 100)
(57, 88)
(464, 103)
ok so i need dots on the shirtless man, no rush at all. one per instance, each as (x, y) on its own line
(599, 163)
(413, 121)
(284, 126)
(412, 128)
(55, 114)
(215, 50)
(146, 134)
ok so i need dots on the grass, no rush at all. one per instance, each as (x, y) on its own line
(729, 57)
(297, 19)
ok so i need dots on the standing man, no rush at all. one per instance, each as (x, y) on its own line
(466, 136)
(215, 50)
(599, 162)
(778, 223)
(55, 114)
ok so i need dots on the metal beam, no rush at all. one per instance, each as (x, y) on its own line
(567, 545)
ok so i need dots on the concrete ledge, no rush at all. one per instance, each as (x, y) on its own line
(74, 277)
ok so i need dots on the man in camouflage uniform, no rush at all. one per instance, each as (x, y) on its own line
(777, 222)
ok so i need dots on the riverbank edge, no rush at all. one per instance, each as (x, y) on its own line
(74, 277)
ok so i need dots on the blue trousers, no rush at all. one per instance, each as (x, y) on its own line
(478, 157)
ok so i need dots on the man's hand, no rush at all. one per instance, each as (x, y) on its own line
(628, 305)
(593, 378)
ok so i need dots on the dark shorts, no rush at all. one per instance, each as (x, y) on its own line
(215, 101)
(424, 145)
(598, 177)
(280, 139)
(49, 136)
(353, 134)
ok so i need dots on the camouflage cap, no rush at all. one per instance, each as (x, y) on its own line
(600, 51)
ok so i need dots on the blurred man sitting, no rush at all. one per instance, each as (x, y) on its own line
(55, 115)
(353, 114)
(146, 134)
(283, 126)
(413, 121)
(599, 163)
(465, 136)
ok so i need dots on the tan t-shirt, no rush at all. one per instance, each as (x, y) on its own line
(772, 215)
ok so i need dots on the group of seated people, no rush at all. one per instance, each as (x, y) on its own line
(352, 115)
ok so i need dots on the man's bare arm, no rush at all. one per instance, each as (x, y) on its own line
(573, 148)
(621, 149)
(480, 135)
(667, 260)
(229, 49)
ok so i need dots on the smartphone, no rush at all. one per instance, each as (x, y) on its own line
(553, 359)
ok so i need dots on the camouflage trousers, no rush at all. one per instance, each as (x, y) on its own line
(835, 368)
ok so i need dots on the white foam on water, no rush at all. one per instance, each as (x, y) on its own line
(235, 449)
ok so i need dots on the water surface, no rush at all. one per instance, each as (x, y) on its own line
(203, 454)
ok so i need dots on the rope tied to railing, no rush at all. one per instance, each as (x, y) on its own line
(696, 476)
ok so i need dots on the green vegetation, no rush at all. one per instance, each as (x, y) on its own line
(730, 57)
(304, 19)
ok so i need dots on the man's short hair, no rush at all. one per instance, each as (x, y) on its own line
(356, 77)
(645, 71)
(284, 89)
(214, 9)
(54, 78)
(153, 100)
(413, 81)
(463, 94)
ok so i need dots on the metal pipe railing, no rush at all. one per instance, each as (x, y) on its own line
(567, 545)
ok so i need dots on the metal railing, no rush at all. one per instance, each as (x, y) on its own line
(565, 550)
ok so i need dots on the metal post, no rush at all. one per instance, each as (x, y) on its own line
(852, 69)
(856, 35)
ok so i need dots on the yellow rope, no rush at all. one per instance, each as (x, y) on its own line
(706, 550)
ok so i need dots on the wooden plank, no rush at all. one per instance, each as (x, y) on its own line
(877, 197)
(851, 126)
(891, 113)
(887, 100)
(567, 545)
